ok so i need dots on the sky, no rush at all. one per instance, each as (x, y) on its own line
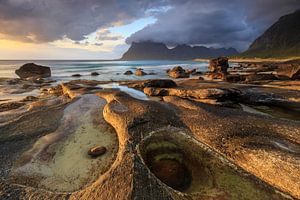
(104, 29)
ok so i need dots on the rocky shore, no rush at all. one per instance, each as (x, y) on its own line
(230, 133)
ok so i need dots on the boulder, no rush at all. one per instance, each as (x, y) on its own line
(289, 71)
(128, 72)
(140, 72)
(95, 74)
(219, 67)
(32, 70)
(97, 151)
(178, 72)
(76, 75)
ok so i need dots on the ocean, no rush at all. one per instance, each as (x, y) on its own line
(108, 70)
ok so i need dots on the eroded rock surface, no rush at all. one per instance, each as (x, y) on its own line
(213, 152)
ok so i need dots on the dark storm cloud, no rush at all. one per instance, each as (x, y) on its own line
(215, 22)
(210, 22)
(49, 20)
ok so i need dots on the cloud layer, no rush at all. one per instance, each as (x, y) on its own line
(210, 22)
(230, 23)
(49, 20)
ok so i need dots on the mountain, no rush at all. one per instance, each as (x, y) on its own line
(282, 39)
(159, 51)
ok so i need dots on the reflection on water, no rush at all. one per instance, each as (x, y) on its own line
(132, 92)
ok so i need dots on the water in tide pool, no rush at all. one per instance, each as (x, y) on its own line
(108, 70)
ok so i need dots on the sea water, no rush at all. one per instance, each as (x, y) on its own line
(108, 70)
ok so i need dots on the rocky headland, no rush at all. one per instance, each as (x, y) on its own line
(230, 133)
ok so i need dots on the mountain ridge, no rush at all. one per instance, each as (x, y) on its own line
(148, 50)
(282, 39)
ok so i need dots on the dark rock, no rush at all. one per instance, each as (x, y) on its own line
(140, 72)
(128, 72)
(178, 72)
(32, 70)
(219, 65)
(76, 75)
(95, 74)
(97, 151)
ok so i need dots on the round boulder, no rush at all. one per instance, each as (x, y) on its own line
(31, 70)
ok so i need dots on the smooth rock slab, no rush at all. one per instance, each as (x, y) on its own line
(58, 161)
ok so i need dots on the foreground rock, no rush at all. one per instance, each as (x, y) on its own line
(172, 149)
(207, 95)
(178, 72)
(31, 70)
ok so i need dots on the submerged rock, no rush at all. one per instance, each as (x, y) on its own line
(76, 75)
(97, 151)
(95, 74)
(32, 70)
(128, 72)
